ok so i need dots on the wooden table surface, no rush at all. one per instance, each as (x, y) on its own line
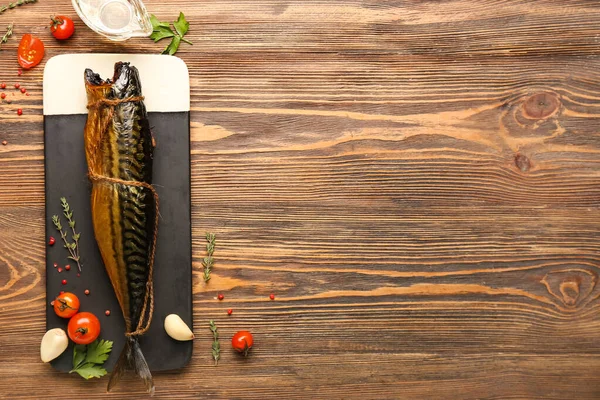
(418, 182)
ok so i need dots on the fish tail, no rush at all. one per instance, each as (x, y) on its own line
(132, 358)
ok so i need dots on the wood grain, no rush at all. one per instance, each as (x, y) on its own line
(416, 181)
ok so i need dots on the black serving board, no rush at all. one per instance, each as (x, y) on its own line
(66, 170)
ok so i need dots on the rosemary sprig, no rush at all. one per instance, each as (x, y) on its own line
(74, 246)
(208, 260)
(9, 31)
(15, 4)
(216, 347)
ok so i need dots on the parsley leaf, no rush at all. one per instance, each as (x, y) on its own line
(181, 25)
(98, 351)
(88, 360)
(79, 353)
(163, 30)
(173, 46)
(156, 23)
(161, 33)
(90, 370)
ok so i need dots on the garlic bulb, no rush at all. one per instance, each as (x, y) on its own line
(177, 329)
(54, 343)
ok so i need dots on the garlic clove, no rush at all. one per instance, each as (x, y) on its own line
(54, 343)
(177, 329)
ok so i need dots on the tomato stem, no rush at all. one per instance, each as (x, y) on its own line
(63, 304)
(81, 330)
(56, 22)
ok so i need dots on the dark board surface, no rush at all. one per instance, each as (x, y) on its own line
(66, 171)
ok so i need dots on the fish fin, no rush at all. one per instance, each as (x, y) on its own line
(132, 358)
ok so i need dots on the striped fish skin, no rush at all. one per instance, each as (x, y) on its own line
(123, 215)
(118, 145)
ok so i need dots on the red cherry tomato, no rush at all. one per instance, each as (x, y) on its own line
(83, 328)
(31, 51)
(62, 27)
(66, 305)
(242, 342)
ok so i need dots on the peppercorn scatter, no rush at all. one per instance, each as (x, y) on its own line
(5, 96)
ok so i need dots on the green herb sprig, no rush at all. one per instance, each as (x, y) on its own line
(216, 347)
(162, 30)
(15, 4)
(9, 32)
(208, 261)
(72, 247)
(88, 361)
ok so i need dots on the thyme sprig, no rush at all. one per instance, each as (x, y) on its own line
(216, 347)
(15, 4)
(208, 261)
(72, 247)
(9, 32)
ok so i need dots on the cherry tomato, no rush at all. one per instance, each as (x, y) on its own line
(242, 342)
(66, 305)
(84, 328)
(62, 27)
(31, 51)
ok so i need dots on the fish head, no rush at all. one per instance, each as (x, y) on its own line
(93, 79)
(95, 87)
(126, 81)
